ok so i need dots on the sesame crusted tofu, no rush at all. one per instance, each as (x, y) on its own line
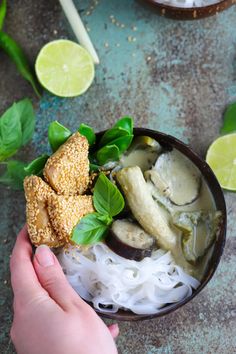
(67, 170)
(40, 228)
(66, 211)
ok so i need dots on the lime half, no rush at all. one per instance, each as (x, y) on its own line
(64, 68)
(221, 156)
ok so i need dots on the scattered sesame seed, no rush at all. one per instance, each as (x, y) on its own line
(134, 39)
(129, 38)
(106, 45)
(111, 16)
(134, 28)
(118, 44)
(149, 58)
(55, 31)
(88, 13)
(122, 25)
(113, 20)
(5, 282)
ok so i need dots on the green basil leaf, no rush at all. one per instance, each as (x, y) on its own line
(123, 143)
(16, 54)
(36, 166)
(57, 135)
(125, 123)
(229, 124)
(110, 135)
(93, 167)
(107, 153)
(14, 175)
(105, 218)
(3, 11)
(88, 132)
(10, 133)
(107, 199)
(89, 230)
(24, 109)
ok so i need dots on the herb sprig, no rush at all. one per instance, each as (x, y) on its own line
(108, 202)
(15, 52)
(229, 125)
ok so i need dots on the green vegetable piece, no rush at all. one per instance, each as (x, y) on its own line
(10, 134)
(3, 11)
(88, 132)
(17, 126)
(27, 117)
(89, 230)
(36, 166)
(107, 198)
(14, 51)
(229, 124)
(107, 153)
(123, 143)
(57, 135)
(199, 230)
(110, 135)
(14, 175)
(125, 123)
(93, 167)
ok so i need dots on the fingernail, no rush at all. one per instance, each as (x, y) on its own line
(44, 256)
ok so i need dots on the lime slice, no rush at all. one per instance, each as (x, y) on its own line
(64, 68)
(221, 156)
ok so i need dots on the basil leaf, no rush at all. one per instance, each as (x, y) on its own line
(125, 123)
(123, 143)
(105, 218)
(10, 133)
(57, 135)
(93, 167)
(89, 230)
(229, 125)
(110, 135)
(107, 153)
(14, 175)
(24, 109)
(107, 199)
(88, 132)
(3, 11)
(36, 166)
(16, 54)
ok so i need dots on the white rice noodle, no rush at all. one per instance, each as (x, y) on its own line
(106, 279)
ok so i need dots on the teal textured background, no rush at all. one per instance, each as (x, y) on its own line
(173, 76)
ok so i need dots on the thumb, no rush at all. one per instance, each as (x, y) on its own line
(52, 278)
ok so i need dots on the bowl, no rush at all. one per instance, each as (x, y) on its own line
(190, 13)
(168, 142)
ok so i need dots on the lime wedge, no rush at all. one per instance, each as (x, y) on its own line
(64, 68)
(221, 156)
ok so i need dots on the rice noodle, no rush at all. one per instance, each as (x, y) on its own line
(106, 279)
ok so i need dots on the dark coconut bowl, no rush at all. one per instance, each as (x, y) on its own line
(169, 142)
(189, 13)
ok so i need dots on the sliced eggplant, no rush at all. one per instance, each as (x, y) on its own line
(178, 177)
(129, 240)
(143, 152)
(199, 231)
(146, 211)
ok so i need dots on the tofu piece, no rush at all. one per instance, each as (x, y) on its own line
(40, 228)
(66, 211)
(67, 170)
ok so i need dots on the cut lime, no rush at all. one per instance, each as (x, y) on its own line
(64, 68)
(221, 156)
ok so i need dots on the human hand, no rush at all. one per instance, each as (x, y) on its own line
(49, 316)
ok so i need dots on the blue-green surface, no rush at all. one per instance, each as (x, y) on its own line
(176, 77)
